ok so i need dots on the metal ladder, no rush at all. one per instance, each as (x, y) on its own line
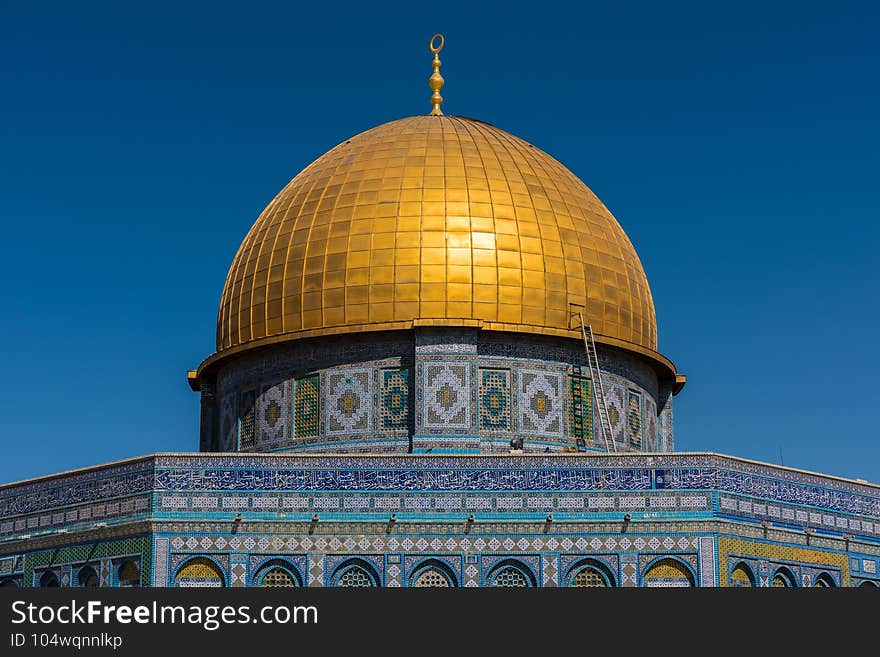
(598, 384)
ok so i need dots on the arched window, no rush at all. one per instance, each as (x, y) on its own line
(432, 574)
(590, 574)
(129, 574)
(511, 574)
(355, 574)
(588, 578)
(199, 572)
(278, 577)
(863, 585)
(87, 577)
(10, 583)
(824, 581)
(782, 579)
(668, 573)
(49, 580)
(741, 576)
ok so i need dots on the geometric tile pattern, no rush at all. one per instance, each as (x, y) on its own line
(628, 570)
(580, 408)
(349, 404)
(540, 402)
(316, 570)
(238, 575)
(393, 575)
(471, 572)
(834, 562)
(664, 430)
(446, 394)
(228, 424)
(634, 419)
(614, 400)
(306, 407)
(394, 399)
(652, 441)
(550, 570)
(160, 576)
(139, 546)
(707, 561)
(273, 414)
(259, 565)
(247, 420)
(495, 399)
(341, 547)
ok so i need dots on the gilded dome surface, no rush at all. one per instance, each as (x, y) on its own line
(435, 220)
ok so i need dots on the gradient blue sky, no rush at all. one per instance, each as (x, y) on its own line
(737, 144)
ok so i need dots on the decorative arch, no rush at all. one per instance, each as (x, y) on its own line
(277, 573)
(668, 572)
(824, 581)
(88, 578)
(589, 573)
(867, 584)
(355, 573)
(128, 574)
(199, 572)
(783, 578)
(741, 576)
(511, 573)
(49, 580)
(433, 573)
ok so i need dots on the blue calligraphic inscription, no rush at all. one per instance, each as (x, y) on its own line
(63, 494)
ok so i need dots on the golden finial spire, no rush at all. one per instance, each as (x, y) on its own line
(436, 80)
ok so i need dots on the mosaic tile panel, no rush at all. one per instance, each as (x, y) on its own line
(569, 564)
(664, 430)
(349, 395)
(707, 561)
(228, 424)
(238, 571)
(775, 555)
(199, 572)
(247, 420)
(634, 419)
(306, 407)
(540, 402)
(494, 400)
(335, 563)
(139, 547)
(550, 570)
(617, 411)
(316, 570)
(446, 395)
(580, 409)
(273, 410)
(651, 431)
(629, 569)
(394, 399)
(259, 564)
(413, 562)
(393, 572)
(667, 572)
(160, 573)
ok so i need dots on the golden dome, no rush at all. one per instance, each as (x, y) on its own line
(435, 220)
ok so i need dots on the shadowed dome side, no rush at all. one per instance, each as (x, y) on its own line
(434, 220)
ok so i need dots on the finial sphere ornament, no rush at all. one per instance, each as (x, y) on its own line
(436, 80)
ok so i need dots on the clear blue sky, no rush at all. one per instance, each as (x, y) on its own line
(737, 143)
